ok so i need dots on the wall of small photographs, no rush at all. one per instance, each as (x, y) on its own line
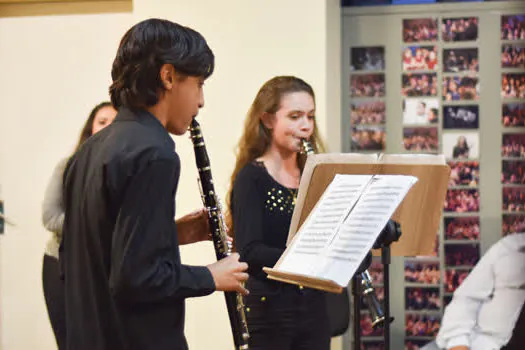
(420, 83)
(513, 121)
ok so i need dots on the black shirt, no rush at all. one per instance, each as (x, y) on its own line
(262, 211)
(124, 281)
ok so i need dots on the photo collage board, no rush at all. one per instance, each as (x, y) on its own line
(513, 122)
(440, 88)
(367, 120)
(367, 90)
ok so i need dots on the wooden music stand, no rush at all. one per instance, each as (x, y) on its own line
(419, 214)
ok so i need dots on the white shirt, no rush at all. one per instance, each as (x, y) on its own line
(53, 209)
(486, 306)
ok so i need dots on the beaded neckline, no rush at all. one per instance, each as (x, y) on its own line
(276, 192)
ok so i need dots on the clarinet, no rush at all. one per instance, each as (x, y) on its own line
(234, 300)
(367, 290)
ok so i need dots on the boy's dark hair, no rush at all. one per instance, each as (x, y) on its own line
(144, 49)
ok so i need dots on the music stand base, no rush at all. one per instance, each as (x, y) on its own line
(356, 282)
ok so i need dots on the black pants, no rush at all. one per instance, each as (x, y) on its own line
(55, 300)
(284, 317)
(518, 336)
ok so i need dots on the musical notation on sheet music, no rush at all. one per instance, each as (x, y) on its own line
(319, 228)
(345, 224)
(361, 228)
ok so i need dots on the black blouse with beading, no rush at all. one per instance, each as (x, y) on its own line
(262, 211)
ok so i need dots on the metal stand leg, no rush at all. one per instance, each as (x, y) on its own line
(356, 291)
(385, 259)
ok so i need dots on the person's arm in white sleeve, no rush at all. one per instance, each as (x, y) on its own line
(461, 314)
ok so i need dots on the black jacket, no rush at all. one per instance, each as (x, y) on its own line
(124, 282)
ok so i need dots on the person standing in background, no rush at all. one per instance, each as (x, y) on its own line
(53, 218)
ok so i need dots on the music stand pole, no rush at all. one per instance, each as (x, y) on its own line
(385, 259)
(356, 283)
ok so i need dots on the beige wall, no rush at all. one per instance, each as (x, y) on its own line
(53, 70)
(57, 68)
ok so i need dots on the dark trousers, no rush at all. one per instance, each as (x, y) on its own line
(55, 301)
(517, 340)
(285, 317)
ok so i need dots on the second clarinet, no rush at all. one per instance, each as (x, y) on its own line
(234, 301)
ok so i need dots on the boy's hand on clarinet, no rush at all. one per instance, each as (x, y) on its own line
(229, 274)
(193, 227)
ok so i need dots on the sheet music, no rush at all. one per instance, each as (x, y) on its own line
(359, 231)
(334, 249)
(320, 227)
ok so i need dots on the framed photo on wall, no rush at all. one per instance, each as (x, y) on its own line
(513, 145)
(369, 58)
(367, 112)
(460, 60)
(421, 139)
(512, 224)
(457, 88)
(420, 111)
(461, 200)
(513, 172)
(424, 272)
(465, 228)
(422, 325)
(464, 173)
(461, 145)
(513, 56)
(419, 84)
(368, 138)
(461, 117)
(420, 30)
(462, 255)
(513, 115)
(513, 27)
(367, 85)
(513, 85)
(513, 199)
(422, 299)
(416, 58)
(459, 29)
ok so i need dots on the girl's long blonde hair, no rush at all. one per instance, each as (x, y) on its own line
(256, 137)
